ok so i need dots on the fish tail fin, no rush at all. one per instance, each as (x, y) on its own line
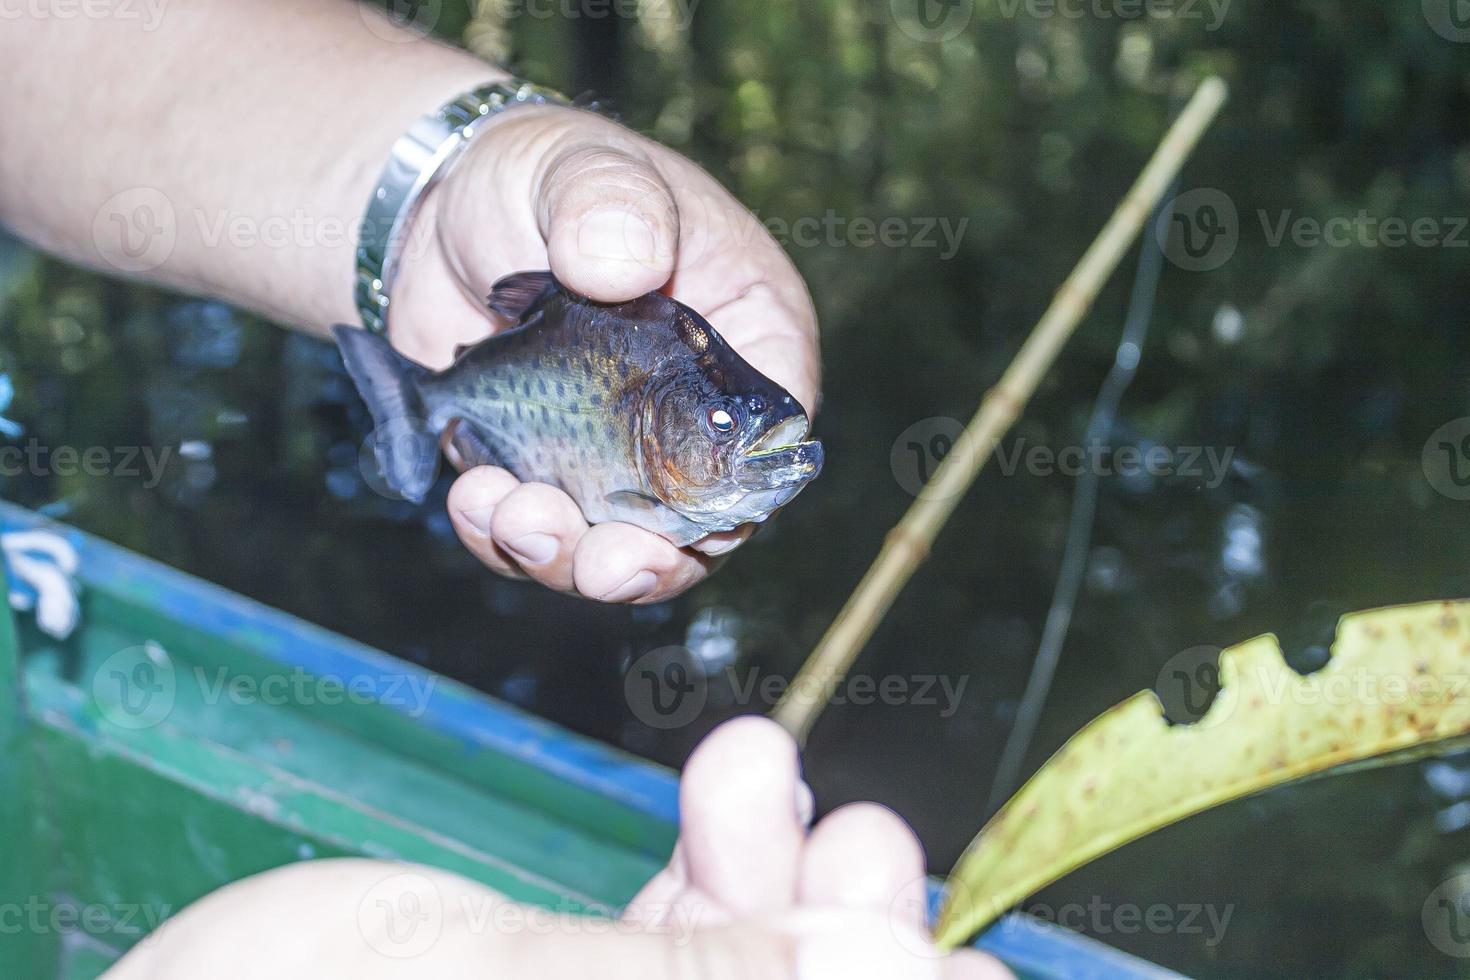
(404, 445)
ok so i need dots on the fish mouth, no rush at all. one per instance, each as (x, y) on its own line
(782, 457)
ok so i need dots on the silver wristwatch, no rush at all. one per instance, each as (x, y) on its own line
(419, 160)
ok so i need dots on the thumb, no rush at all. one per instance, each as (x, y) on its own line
(609, 220)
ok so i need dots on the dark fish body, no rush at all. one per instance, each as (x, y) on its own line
(639, 411)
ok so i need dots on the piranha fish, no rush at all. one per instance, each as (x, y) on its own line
(640, 411)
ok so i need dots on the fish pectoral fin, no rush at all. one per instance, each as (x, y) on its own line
(650, 513)
(516, 293)
(634, 499)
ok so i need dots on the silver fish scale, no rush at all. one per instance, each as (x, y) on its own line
(545, 412)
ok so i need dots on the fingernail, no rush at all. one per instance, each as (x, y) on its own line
(537, 549)
(619, 235)
(635, 587)
(478, 519)
(806, 804)
(714, 549)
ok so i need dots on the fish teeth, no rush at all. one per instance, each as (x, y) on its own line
(789, 432)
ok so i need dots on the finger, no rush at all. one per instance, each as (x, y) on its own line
(969, 964)
(723, 542)
(655, 899)
(863, 856)
(617, 562)
(609, 219)
(539, 526)
(472, 502)
(740, 831)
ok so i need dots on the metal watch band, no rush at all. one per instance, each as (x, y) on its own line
(420, 159)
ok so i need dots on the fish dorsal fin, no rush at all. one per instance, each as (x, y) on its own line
(696, 335)
(516, 293)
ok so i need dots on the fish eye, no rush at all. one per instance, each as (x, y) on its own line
(721, 420)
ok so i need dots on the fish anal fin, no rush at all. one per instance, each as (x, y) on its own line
(467, 446)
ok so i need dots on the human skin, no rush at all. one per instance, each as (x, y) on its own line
(236, 144)
(230, 119)
(750, 892)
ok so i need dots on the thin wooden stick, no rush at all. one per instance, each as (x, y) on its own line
(908, 543)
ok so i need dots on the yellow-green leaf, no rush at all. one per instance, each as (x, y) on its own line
(1395, 688)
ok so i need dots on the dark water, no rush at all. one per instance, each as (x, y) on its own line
(1321, 368)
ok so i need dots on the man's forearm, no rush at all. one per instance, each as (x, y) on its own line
(213, 146)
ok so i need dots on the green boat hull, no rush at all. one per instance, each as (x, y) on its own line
(184, 737)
